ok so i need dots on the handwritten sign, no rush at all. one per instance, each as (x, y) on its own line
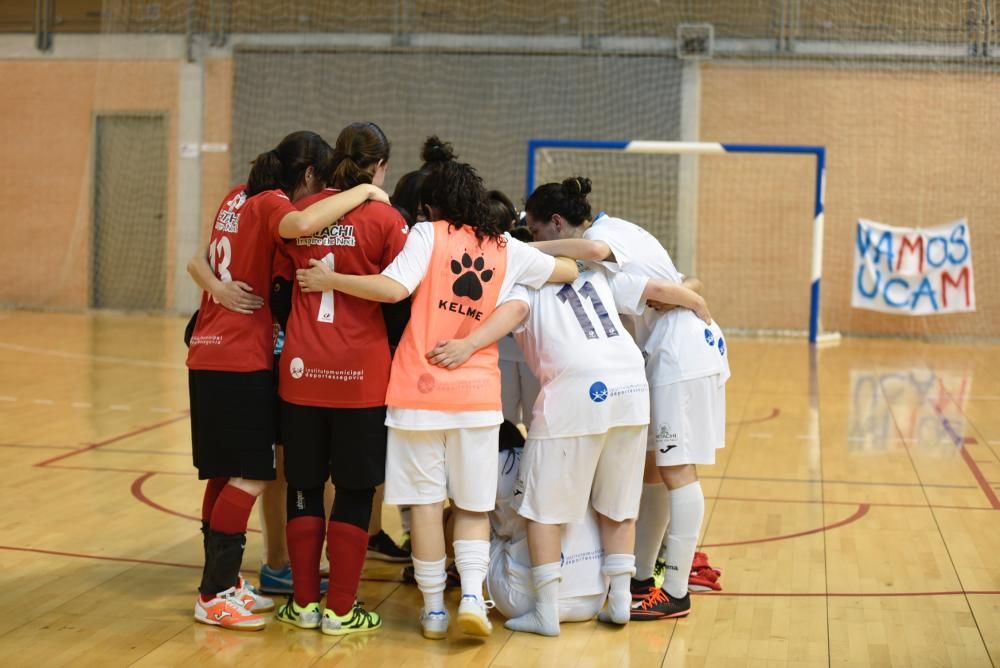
(910, 271)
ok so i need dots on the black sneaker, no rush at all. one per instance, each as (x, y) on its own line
(658, 604)
(640, 588)
(382, 547)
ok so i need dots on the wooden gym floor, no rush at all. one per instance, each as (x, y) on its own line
(854, 513)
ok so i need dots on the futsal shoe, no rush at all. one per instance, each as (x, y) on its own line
(225, 610)
(473, 616)
(382, 547)
(302, 616)
(434, 625)
(279, 580)
(658, 604)
(640, 588)
(356, 620)
(704, 577)
(251, 600)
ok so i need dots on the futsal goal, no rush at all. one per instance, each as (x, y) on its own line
(742, 224)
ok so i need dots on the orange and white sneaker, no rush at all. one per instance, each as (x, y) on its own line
(251, 599)
(225, 610)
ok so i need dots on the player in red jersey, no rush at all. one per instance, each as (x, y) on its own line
(231, 381)
(332, 382)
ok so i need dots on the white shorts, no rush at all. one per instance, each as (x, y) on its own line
(688, 421)
(511, 589)
(560, 476)
(423, 467)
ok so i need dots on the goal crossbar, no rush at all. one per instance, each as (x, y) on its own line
(709, 148)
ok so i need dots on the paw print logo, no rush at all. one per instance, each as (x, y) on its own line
(470, 277)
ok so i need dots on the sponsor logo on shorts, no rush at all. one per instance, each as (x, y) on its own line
(296, 367)
(665, 435)
(667, 448)
(598, 392)
(722, 346)
(709, 337)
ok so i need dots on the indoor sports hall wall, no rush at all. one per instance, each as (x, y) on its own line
(905, 146)
(47, 112)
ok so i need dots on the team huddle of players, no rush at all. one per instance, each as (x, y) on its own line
(427, 403)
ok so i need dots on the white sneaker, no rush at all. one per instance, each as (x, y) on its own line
(435, 624)
(251, 600)
(472, 615)
(225, 610)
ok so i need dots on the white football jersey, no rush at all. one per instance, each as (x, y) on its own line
(679, 345)
(591, 372)
(581, 551)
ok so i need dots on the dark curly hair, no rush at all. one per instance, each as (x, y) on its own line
(568, 199)
(434, 153)
(457, 191)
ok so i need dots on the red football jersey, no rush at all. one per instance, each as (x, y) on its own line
(336, 352)
(244, 239)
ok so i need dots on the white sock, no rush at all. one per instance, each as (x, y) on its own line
(430, 579)
(618, 568)
(650, 527)
(544, 618)
(472, 558)
(687, 509)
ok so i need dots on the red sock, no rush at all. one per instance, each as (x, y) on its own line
(305, 545)
(346, 546)
(213, 487)
(232, 510)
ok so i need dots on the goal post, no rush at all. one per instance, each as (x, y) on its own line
(680, 148)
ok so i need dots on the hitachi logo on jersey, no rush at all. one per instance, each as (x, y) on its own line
(228, 221)
(334, 235)
(461, 309)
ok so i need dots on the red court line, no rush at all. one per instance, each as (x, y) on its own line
(108, 469)
(96, 557)
(141, 497)
(113, 439)
(27, 446)
(858, 514)
(774, 413)
(977, 473)
(960, 442)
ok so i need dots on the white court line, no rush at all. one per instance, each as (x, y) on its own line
(807, 437)
(760, 435)
(94, 358)
(43, 402)
(120, 407)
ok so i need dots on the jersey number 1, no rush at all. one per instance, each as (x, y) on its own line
(326, 301)
(569, 296)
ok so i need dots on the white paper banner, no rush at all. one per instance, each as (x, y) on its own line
(911, 271)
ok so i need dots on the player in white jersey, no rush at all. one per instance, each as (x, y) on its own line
(687, 367)
(587, 439)
(583, 587)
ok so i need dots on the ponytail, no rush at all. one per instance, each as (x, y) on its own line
(568, 199)
(359, 148)
(284, 167)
